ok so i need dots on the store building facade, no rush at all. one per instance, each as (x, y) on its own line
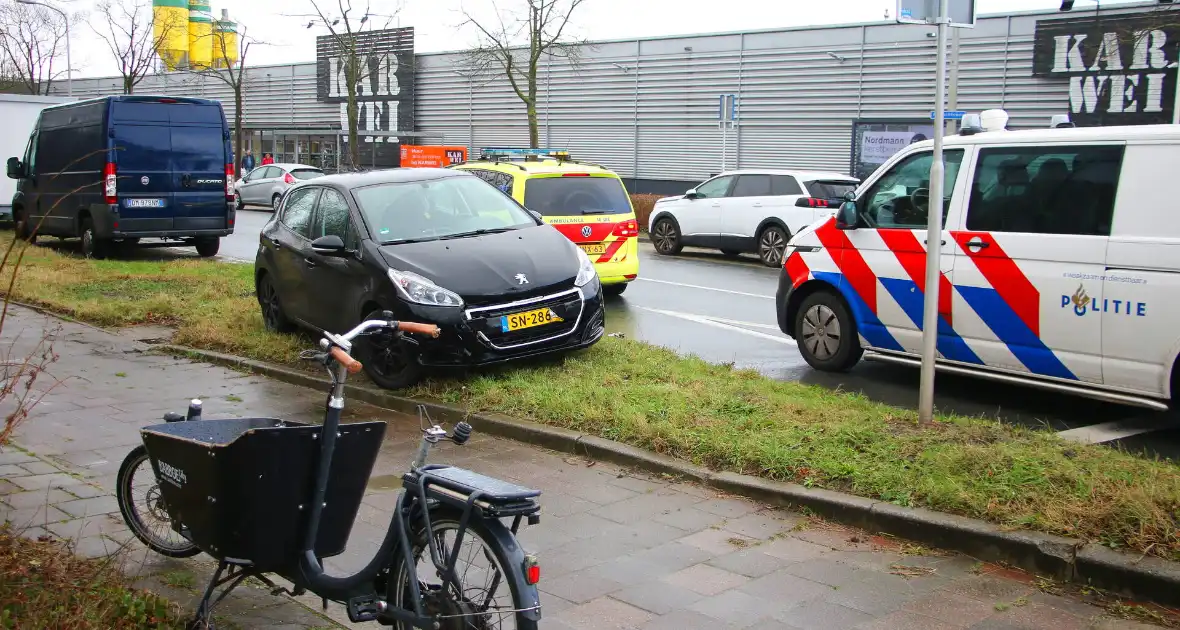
(839, 98)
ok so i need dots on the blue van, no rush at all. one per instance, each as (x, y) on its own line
(123, 168)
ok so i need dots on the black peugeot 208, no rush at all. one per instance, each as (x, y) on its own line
(431, 245)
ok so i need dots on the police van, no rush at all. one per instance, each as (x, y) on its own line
(1060, 261)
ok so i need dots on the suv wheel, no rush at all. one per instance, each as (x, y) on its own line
(92, 246)
(389, 362)
(665, 236)
(826, 333)
(771, 243)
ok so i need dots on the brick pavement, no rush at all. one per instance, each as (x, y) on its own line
(618, 549)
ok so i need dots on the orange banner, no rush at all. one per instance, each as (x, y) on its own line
(432, 156)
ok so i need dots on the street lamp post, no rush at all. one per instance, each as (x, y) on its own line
(65, 20)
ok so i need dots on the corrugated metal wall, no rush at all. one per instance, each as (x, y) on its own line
(648, 108)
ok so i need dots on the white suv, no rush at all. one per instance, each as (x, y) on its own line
(747, 211)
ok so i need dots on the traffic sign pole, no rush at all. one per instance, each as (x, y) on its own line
(934, 230)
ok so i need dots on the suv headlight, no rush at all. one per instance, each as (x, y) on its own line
(419, 290)
(586, 271)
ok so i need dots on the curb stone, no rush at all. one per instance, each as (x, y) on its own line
(1057, 557)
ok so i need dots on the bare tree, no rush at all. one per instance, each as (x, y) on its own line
(132, 38)
(233, 77)
(346, 25)
(515, 42)
(33, 38)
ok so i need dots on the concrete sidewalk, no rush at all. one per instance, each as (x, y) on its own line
(617, 550)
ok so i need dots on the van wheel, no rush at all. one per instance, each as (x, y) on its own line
(274, 202)
(207, 247)
(614, 289)
(92, 246)
(389, 362)
(665, 236)
(826, 333)
(771, 243)
(20, 225)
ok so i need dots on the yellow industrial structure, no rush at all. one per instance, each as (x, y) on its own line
(190, 38)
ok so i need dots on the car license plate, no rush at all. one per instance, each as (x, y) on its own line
(144, 203)
(528, 319)
(593, 249)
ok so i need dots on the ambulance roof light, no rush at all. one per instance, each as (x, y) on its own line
(503, 152)
(971, 125)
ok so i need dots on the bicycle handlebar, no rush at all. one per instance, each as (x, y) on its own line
(410, 327)
(352, 365)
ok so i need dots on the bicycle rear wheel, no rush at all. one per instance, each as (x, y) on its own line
(143, 509)
(488, 597)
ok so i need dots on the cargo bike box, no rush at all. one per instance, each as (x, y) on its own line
(240, 488)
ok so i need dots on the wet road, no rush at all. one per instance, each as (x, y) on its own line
(722, 310)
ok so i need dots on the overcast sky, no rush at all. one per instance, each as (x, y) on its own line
(437, 22)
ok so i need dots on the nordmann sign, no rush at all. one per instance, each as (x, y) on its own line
(1121, 69)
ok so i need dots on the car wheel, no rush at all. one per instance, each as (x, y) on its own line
(389, 362)
(665, 236)
(614, 289)
(273, 316)
(92, 246)
(274, 202)
(826, 333)
(238, 201)
(208, 246)
(20, 225)
(771, 243)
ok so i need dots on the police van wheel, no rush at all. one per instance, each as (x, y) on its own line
(92, 246)
(826, 333)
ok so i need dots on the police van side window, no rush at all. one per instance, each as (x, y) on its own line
(901, 197)
(1045, 190)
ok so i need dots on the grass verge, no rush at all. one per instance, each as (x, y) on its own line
(709, 414)
(44, 585)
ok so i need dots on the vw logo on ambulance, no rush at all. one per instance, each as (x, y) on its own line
(1081, 300)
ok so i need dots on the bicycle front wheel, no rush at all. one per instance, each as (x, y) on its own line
(488, 596)
(143, 509)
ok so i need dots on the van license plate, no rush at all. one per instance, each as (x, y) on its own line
(144, 203)
(593, 249)
(528, 319)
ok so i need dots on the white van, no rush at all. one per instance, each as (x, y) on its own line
(1060, 263)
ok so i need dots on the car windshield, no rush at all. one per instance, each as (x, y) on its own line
(306, 173)
(452, 207)
(573, 195)
(834, 189)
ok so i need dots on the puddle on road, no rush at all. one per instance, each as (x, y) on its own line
(385, 482)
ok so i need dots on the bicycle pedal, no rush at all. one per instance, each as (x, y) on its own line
(363, 608)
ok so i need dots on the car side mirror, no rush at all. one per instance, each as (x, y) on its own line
(846, 217)
(329, 245)
(692, 193)
(537, 215)
(16, 170)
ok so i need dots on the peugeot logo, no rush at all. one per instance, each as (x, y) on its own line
(144, 180)
(585, 231)
(521, 279)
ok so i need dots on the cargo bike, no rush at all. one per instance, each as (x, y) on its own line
(266, 496)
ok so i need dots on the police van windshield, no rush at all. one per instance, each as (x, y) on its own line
(576, 195)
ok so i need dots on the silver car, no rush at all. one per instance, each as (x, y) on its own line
(265, 185)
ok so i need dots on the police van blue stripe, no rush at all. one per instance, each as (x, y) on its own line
(1014, 333)
(950, 344)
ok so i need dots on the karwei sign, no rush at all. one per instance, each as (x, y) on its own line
(385, 79)
(1120, 69)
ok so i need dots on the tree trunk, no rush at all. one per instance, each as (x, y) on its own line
(354, 150)
(128, 85)
(534, 136)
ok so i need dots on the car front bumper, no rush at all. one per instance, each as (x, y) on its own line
(473, 337)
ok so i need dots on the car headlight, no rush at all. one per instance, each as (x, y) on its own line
(419, 290)
(586, 271)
